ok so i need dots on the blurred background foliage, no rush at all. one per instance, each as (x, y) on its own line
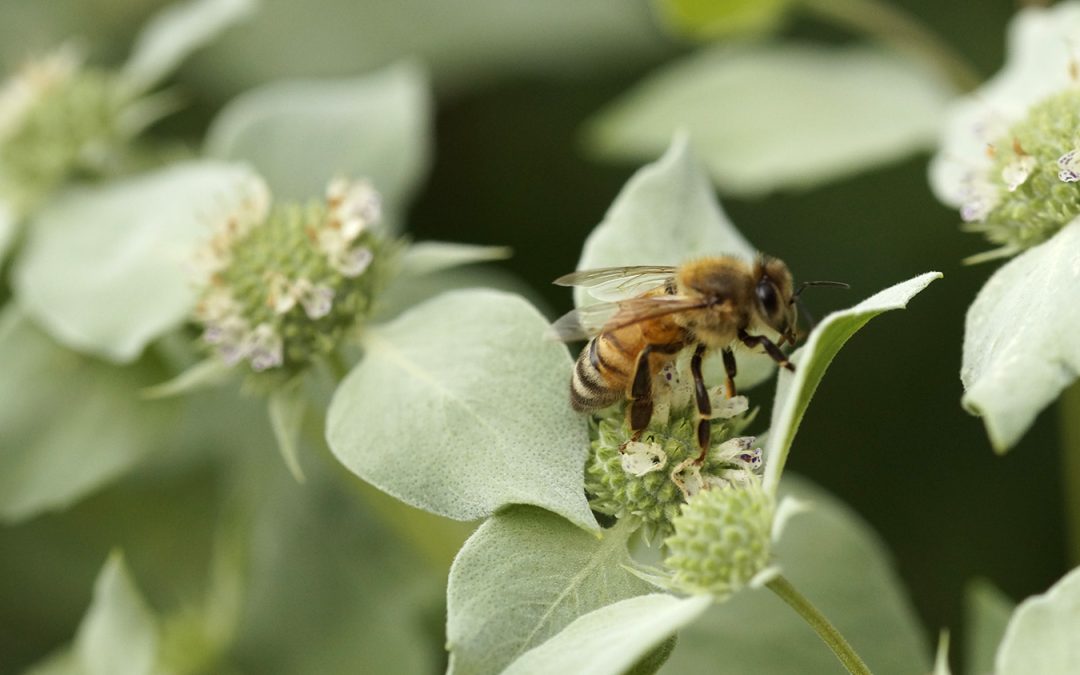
(516, 82)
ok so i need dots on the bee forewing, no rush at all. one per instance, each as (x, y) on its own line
(616, 283)
(586, 322)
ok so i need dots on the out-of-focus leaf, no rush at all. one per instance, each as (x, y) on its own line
(466, 424)
(69, 423)
(986, 614)
(107, 270)
(177, 31)
(466, 42)
(1020, 344)
(665, 215)
(712, 19)
(286, 407)
(611, 639)
(425, 257)
(300, 134)
(1042, 635)
(941, 658)
(349, 596)
(771, 117)
(521, 578)
(119, 634)
(794, 390)
(841, 566)
(62, 662)
(210, 372)
(8, 229)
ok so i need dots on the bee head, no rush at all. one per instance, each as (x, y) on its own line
(774, 294)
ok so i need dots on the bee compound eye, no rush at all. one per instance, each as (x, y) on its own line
(766, 294)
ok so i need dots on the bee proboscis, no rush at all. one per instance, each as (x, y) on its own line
(708, 304)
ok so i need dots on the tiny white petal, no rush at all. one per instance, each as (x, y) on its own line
(687, 477)
(1069, 165)
(1017, 171)
(726, 408)
(318, 301)
(641, 458)
(353, 263)
(265, 348)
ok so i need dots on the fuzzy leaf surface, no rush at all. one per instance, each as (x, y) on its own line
(119, 634)
(1042, 634)
(523, 576)
(1020, 346)
(773, 117)
(69, 425)
(107, 270)
(467, 423)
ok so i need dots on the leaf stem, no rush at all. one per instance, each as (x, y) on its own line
(825, 630)
(903, 31)
(1069, 413)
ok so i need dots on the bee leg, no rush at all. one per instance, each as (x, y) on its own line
(704, 406)
(729, 368)
(640, 410)
(771, 349)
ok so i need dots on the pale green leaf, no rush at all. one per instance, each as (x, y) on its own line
(941, 658)
(794, 390)
(108, 270)
(69, 423)
(119, 634)
(986, 613)
(1042, 635)
(833, 558)
(713, 19)
(524, 576)
(771, 117)
(1020, 344)
(460, 407)
(9, 227)
(286, 407)
(177, 31)
(425, 257)
(300, 134)
(610, 640)
(665, 215)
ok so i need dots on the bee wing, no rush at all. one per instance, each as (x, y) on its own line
(586, 322)
(616, 283)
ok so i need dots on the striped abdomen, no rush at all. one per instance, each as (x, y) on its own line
(603, 372)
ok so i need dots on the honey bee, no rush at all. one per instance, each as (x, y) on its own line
(708, 304)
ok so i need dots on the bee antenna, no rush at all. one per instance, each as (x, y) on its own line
(807, 284)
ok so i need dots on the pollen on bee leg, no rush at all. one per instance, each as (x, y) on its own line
(639, 458)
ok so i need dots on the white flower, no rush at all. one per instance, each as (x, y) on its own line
(264, 348)
(354, 205)
(352, 263)
(1041, 63)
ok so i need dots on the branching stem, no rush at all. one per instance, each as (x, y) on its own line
(896, 28)
(825, 630)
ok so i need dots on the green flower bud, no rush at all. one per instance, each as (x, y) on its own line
(723, 538)
(651, 477)
(286, 284)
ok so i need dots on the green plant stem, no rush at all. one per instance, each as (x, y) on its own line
(1069, 412)
(894, 27)
(825, 630)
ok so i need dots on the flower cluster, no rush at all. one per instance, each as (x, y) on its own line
(652, 477)
(285, 283)
(60, 120)
(1010, 157)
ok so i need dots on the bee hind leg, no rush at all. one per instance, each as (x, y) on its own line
(639, 411)
(704, 405)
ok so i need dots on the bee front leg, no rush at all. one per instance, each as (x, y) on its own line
(771, 349)
(704, 405)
